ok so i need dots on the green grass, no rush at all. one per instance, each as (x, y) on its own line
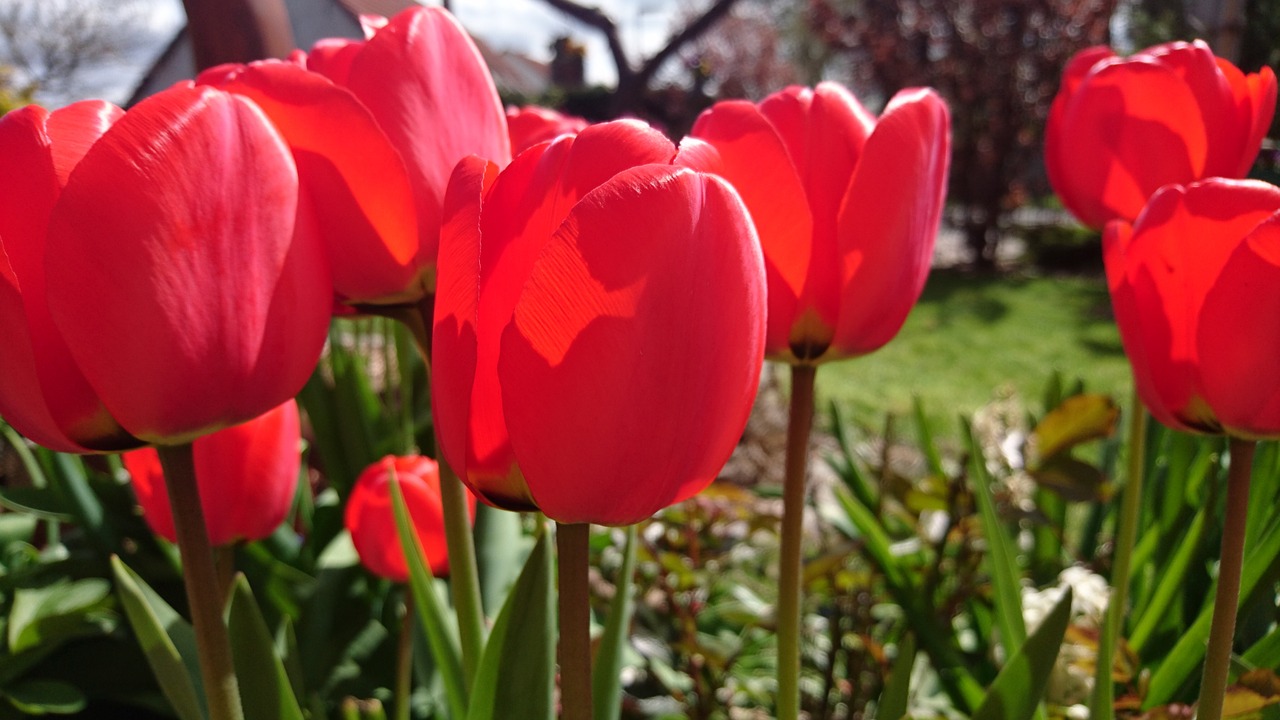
(972, 337)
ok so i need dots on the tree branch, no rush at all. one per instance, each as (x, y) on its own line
(688, 34)
(605, 24)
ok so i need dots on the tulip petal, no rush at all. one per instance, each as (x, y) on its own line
(42, 391)
(454, 345)
(733, 140)
(332, 57)
(356, 180)
(1058, 148)
(889, 221)
(634, 353)
(1239, 337)
(192, 198)
(1180, 245)
(1255, 99)
(825, 131)
(527, 203)
(424, 80)
(1148, 130)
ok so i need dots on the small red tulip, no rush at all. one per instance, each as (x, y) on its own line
(247, 475)
(158, 282)
(847, 207)
(1190, 282)
(376, 127)
(1121, 127)
(598, 326)
(530, 125)
(371, 520)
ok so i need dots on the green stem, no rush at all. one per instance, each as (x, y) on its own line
(204, 595)
(799, 425)
(1217, 660)
(1103, 701)
(404, 661)
(464, 575)
(572, 545)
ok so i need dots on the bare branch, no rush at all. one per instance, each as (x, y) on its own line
(605, 24)
(686, 35)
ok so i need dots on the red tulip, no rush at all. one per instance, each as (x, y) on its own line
(530, 125)
(371, 521)
(1190, 281)
(1120, 128)
(598, 326)
(247, 475)
(161, 281)
(847, 207)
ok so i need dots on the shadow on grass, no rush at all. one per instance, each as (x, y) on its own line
(955, 298)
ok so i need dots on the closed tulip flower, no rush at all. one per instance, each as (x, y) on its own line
(159, 280)
(598, 328)
(1186, 281)
(371, 520)
(376, 126)
(530, 125)
(847, 207)
(247, 475)
(1121, 127)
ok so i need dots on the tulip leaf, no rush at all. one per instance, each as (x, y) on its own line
(1172, 582)
(167, 640)
(431, 608)
(1265, 652)
(1001, 556)
(40, 502)
(606, 678)
(264, 685)
(1076, 420)
(1188, 653)
(516, 676)
(45, 697)
(897, 689)
(501, 548)
(53, 613)
(1016, 692)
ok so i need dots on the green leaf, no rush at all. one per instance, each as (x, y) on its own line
(1078, 419)
(1001, 558)
(167, 640)
(606, 679)
(431, 608)
(40, 502)
(1186, 656)
(1171, 583)
(897, 690)
(925, 435)
(516, 677)
(264, 685)
(1016, 692)
(1266, 652)
(45, 697)
(501, 549)
(55, 612)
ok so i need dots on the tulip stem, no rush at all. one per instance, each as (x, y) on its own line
(464, 577)
(204, 594)
(572, 546)
(1103, 701)
(404, 661)
(1217, 661)
(799, 426)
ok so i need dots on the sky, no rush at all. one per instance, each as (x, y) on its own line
(523, 26)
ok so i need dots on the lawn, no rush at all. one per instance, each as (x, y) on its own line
(972, 337)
